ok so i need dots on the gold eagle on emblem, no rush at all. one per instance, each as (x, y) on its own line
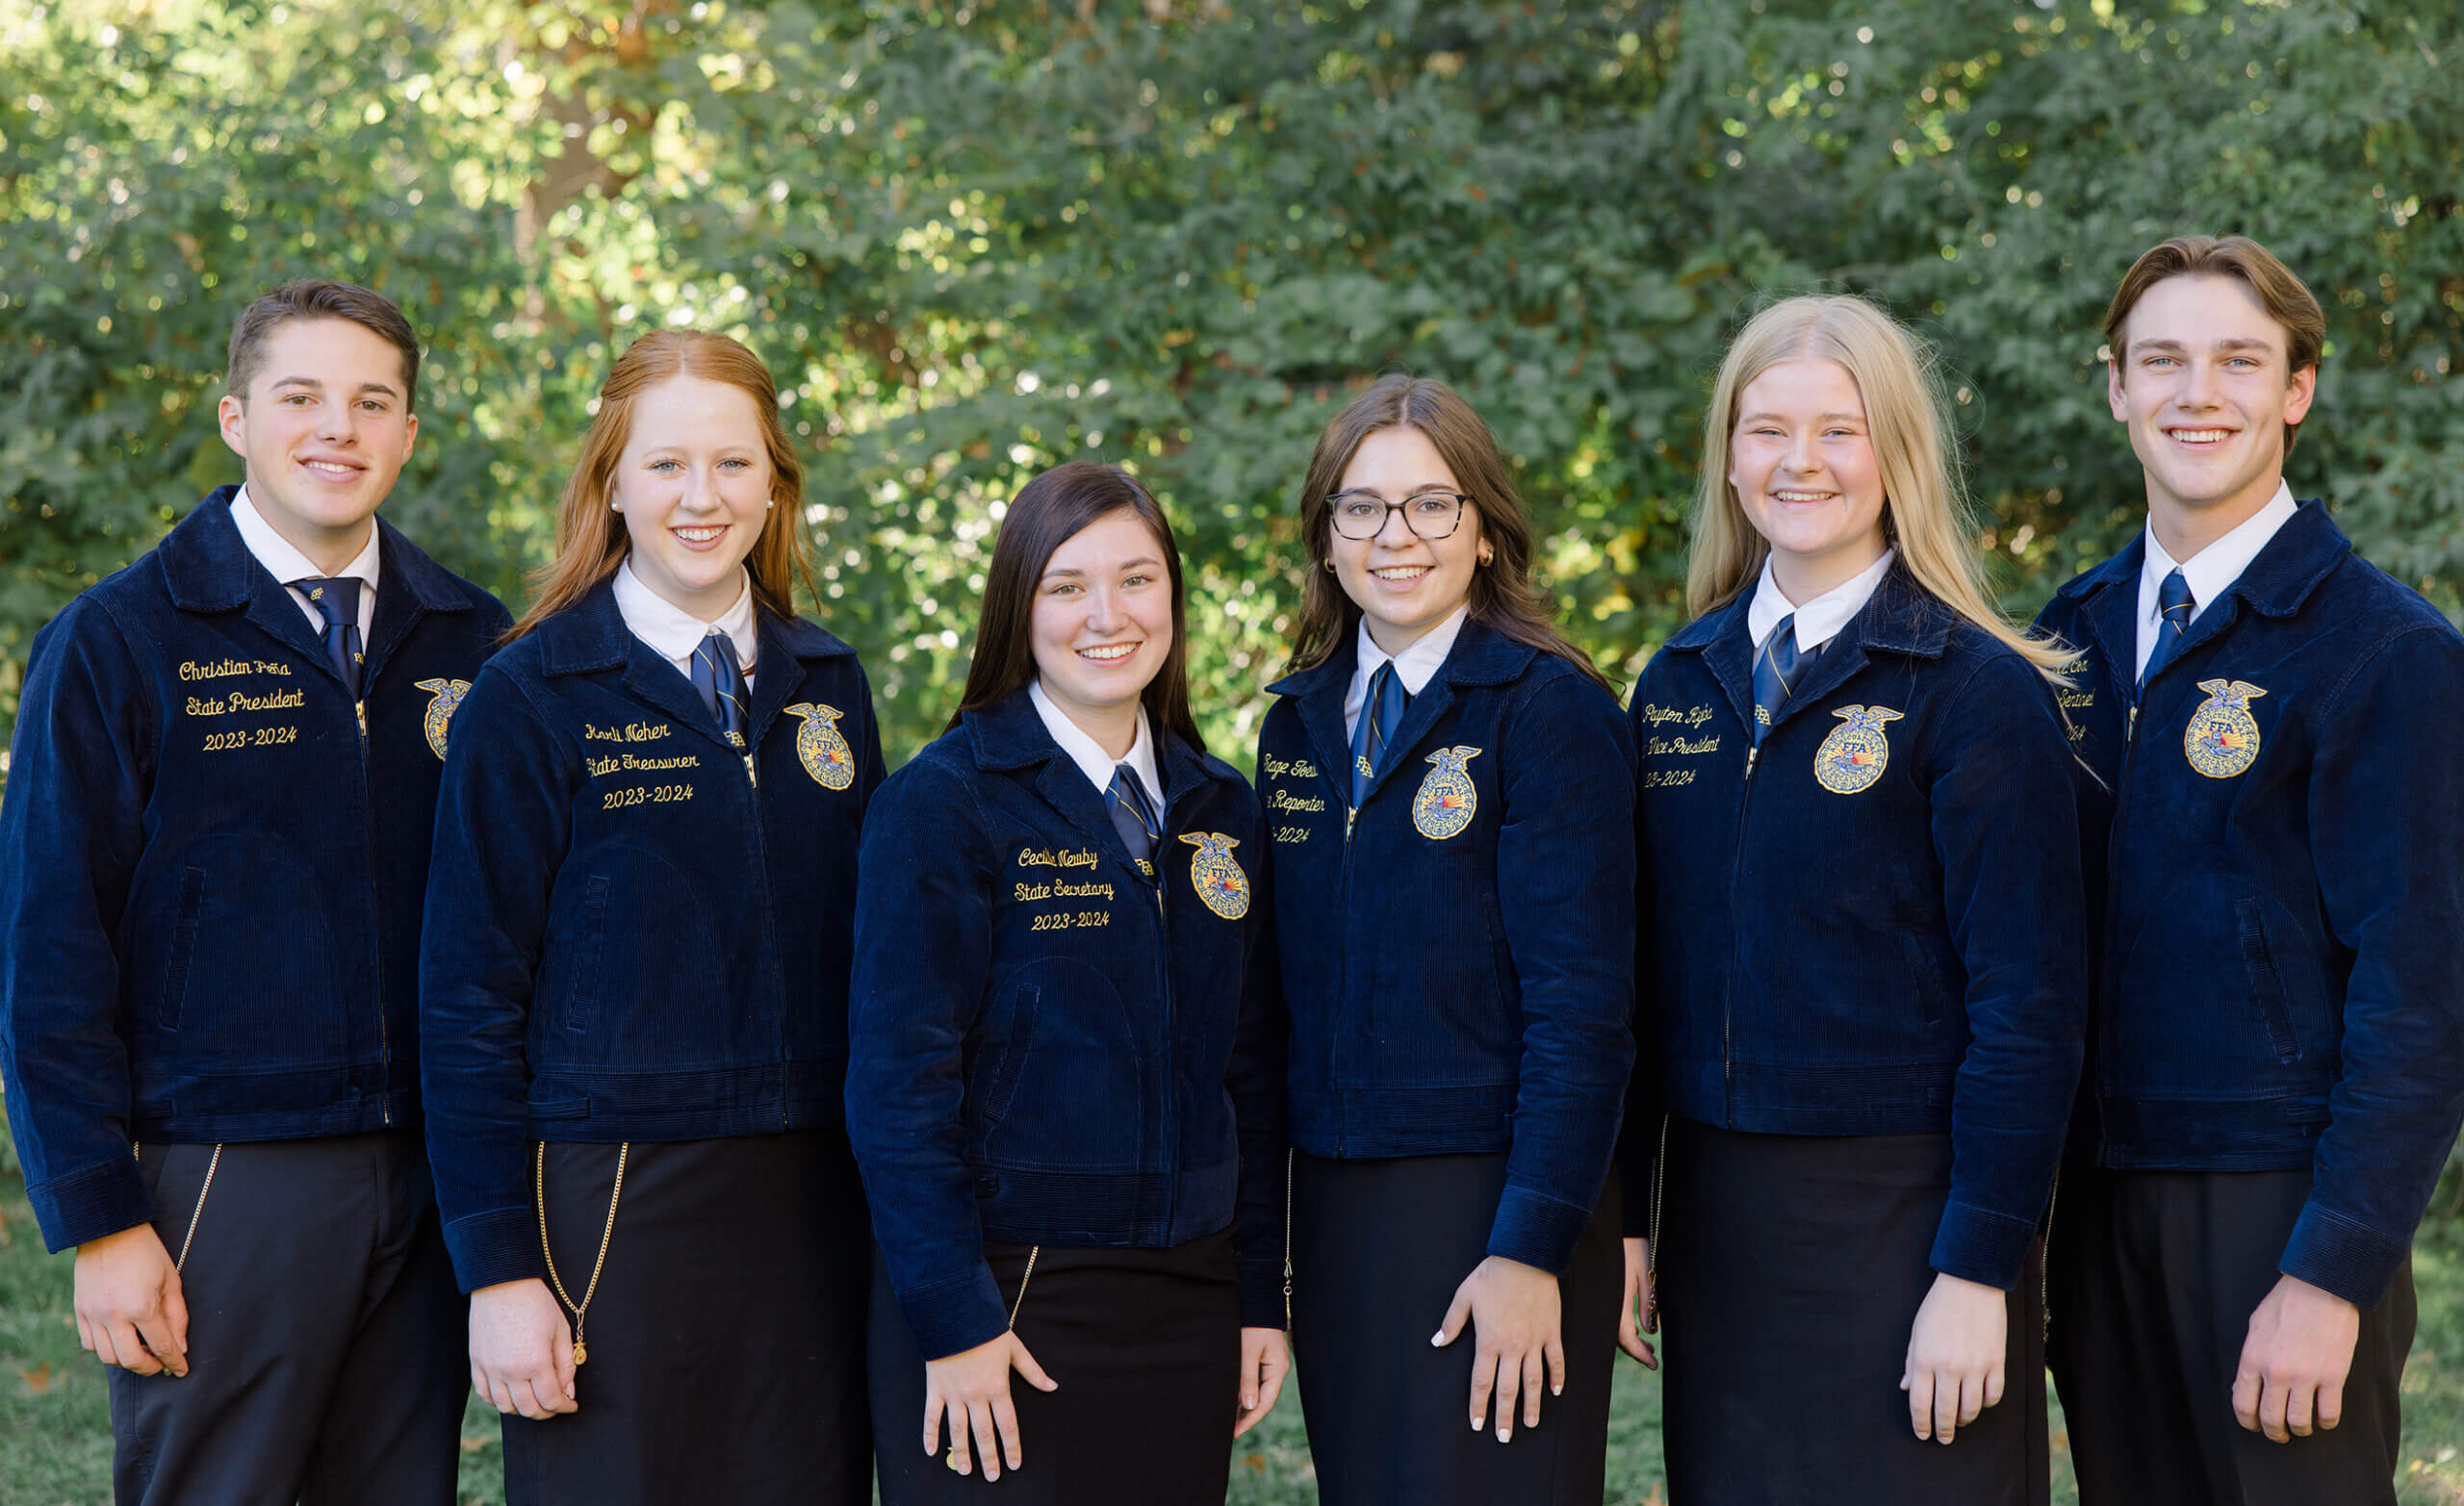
(444, 696)
(2222, 737)
(821, 747)
(1448, 798)
(1216, 876)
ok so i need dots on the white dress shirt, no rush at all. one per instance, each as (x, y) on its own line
(1415, 666)
(1819, 620)
(2211, 571)
(1089, 755)
(287, 564)
(672, 633)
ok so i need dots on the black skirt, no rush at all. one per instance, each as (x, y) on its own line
(726, 1339)
(1145, 1346)
(1378, 1249)
(1790, 1269)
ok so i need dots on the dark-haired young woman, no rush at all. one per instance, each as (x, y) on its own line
(1452, 786)
(1064, 1092)
(633, 975)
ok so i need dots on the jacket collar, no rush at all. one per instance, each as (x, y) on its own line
(1481, 657)
(590, 637)
(1010, 736)
(208, 569)
(1900, 618)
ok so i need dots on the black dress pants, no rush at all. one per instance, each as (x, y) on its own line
(2154, 1276)
(328, 1348)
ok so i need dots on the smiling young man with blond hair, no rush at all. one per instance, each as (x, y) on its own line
(2275, 822)
(212, 857)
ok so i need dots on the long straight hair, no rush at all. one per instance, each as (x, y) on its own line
(1925, 509)
(1502, 597)
(590, 535)
(1049, 512)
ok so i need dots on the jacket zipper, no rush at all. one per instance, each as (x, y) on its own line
(367, 794)
(762, 886)
(1172, 1051)
(1728, 992)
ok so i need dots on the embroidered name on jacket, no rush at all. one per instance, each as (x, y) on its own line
(1854, 756)
(2222, 738)
(1216, 876)
(821, 747)
(444, 696)
(1444, 805)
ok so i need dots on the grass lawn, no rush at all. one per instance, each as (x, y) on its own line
(55, 1435)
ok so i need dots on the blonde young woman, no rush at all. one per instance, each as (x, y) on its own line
(1862, 997)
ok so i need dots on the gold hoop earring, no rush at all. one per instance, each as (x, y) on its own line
(1331, 567)
(1487, 558)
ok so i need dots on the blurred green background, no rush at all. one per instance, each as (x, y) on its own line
(974, 237)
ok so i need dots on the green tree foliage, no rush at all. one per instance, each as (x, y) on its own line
(973, 238)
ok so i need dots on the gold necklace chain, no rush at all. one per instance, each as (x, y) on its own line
(1287, 1238)
(1027, 1276)
(581, 1350)
(136, 1152)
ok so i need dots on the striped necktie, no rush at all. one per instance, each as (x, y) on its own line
(1776, 671)
(338, 599)
(1133, 817)
(1378, 720)
(721, 683)
(2175, 606)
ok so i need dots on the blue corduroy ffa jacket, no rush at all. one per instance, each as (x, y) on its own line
(2280, 834)
(211, 868)
(635, 931)
(1051, 1047)
(1459, 955)
(1873, 925)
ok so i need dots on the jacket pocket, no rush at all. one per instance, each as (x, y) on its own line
(1001, 1084)
(2267, 986)
(1924, 970)
(593, 947)
(175, 975)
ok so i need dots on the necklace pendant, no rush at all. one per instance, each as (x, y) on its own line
(581, 1352)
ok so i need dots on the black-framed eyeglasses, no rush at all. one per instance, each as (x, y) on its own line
(1361, 516)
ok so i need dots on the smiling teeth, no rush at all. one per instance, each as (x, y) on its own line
(329, 467)
(1110, 652)
(2199, 435)
(1401, 572)
(1802, 497)
(699, 535)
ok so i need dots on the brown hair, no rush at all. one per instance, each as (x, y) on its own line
(315, 297)
(1049, 512)
(590, 537)
(1503, 596)
(2285, 298)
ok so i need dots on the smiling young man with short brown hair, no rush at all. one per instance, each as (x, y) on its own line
(2277, 843)
(212, 857)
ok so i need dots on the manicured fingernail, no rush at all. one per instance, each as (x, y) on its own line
(1556, 1390)
(1475, 1424)
(1504, 1432)
(1437, 1338)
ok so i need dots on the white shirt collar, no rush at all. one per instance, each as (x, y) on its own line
(1089, 755)
(1415, 666)
(286, 564)
(671, 632)
(2213, 570)
(1819, 620)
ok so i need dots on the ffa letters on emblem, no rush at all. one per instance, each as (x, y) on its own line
(2222, 738)
(821, 747)
(1217, 879)
(1857, 751)
(1447, 800)
(445, 695)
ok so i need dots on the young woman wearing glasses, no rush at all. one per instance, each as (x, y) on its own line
(1451, 788)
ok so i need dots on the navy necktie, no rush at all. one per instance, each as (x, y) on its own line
(2174, 602)
(1380, 717)
(721, 683)
(1777, 670)
(1133, 817)
(338, 600)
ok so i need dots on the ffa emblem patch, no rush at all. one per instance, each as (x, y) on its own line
(821, 747)
(1447, 800)
(1217, 879)
(2223, 739)
(444, 696)
(1857, 751)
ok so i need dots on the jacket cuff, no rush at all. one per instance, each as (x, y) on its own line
(1536, 1229)
(1261, 1299)
(91, 1202)
(1979, 1246)
(953, 1317)
(2335, 1254)
(494, 1247)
